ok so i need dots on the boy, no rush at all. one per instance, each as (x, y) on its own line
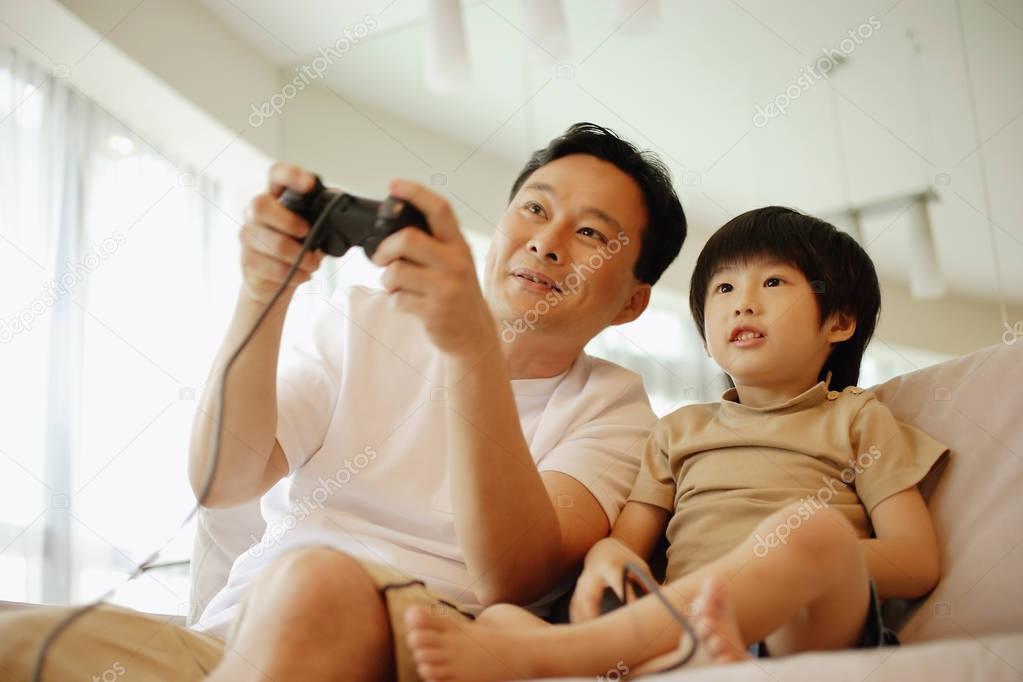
(791, 506)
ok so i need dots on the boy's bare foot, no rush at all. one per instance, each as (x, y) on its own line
(448, 648)
(715, 624)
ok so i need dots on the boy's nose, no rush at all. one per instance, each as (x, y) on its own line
(747, 308)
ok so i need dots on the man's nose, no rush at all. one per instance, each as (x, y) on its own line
(546, 245)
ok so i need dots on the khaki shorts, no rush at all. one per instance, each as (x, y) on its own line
(111, 643)
(400, 592)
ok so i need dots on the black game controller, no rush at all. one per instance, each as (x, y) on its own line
(350, 220)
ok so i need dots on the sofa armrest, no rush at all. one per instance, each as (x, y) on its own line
(6, 606)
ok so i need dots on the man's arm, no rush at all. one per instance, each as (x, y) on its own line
(250, 460)
(903, 559)
(516, 541)
(520, 531)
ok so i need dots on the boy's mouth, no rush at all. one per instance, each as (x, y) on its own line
(746, 335)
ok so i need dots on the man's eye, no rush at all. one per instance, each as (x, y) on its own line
(534, 208)
(772, 282)
(723, 288)
(590, 232)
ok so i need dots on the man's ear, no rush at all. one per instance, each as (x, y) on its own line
(635, 306)
(840, 327)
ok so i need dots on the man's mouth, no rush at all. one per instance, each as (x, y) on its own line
(537, 278)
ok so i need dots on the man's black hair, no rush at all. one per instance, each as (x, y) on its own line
(665, 229)
(840, 273)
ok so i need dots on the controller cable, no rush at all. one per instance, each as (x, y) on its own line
(63, 624)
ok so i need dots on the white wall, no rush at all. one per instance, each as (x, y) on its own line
(188, 84)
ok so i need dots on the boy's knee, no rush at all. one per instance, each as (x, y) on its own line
(818, 533)
(828, 534)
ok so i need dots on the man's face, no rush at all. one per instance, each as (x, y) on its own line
(762, 324)
(575, 225)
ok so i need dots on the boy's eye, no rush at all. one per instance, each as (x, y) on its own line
(772, 282)
(590, 232)
(723, 288)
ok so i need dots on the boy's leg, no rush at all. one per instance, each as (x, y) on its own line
(813, 589)
(508, 616)
(106, 643)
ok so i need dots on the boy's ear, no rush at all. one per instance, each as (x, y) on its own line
(840, 327)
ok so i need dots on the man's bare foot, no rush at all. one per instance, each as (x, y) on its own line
(448, 648)
(715, 624)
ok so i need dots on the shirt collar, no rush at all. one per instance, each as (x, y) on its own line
(813, 396)
(539, 387)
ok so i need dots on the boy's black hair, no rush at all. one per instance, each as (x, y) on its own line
(665, 231)
(839, 271)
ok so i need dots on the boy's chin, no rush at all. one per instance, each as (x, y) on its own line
(750, 376)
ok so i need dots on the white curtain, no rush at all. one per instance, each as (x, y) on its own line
(118, 270)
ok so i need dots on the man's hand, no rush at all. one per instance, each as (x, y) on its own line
(433, 276)
(270, 237)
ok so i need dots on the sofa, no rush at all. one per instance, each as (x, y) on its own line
(969, 628)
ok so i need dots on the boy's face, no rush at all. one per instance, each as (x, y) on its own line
(763, 327)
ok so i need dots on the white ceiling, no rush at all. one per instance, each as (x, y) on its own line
(686, 79)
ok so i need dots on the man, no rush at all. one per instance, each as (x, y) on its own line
(489, 451)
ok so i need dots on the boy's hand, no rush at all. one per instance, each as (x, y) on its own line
(603, 568)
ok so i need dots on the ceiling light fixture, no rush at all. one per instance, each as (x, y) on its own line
(447, 57)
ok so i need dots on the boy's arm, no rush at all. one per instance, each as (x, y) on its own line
(640, 526)
(903, 559)
(633, 538)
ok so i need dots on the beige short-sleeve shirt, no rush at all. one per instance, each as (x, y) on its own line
(723, 467)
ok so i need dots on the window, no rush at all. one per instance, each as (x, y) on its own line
(118, 279)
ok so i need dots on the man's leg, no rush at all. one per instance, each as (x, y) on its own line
(313, 614)
(812, 591)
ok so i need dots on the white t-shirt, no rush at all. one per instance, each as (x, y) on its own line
(362, 421)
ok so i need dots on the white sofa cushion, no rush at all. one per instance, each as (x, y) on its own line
(962, 660)
(221, 535)
(973, 404)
